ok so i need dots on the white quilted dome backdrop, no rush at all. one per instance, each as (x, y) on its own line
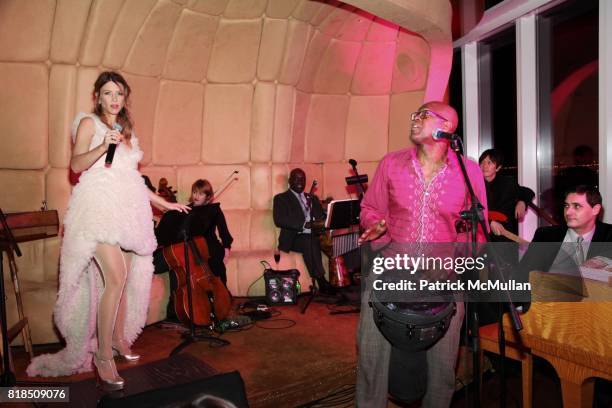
(258, 86)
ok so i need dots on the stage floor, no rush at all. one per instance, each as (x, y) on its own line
(285, 361)
(288, 360)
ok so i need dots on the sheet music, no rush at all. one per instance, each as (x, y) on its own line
(330, 207)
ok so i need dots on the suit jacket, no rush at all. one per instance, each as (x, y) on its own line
(289, 217)
(541, 258)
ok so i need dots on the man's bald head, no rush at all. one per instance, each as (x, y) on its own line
(430, 117)
(444, 110)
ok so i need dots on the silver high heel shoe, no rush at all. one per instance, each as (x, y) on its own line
(122, 349)
(107, 384)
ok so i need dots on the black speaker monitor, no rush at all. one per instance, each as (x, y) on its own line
(281, 286)
(227, 388)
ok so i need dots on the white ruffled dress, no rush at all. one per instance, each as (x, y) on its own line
(108, 205)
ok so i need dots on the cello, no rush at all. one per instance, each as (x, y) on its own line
(210, 298)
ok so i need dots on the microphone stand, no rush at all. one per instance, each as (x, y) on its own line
(361, 186)
(192, 336)
(476, 217)
(313, 288)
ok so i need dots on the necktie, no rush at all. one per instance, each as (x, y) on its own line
(305, 206)
(308, 203)
(579, 251)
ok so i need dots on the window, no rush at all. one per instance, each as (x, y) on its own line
(497, 96)
(568, 100)
(456, 89)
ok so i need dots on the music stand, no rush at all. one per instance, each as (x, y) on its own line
(8, 243)
(342, 214)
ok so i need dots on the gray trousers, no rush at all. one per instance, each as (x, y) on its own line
(373, 365)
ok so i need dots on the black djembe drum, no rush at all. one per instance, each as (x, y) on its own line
(411, 328)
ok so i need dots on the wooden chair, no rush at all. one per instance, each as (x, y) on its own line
(489, 341)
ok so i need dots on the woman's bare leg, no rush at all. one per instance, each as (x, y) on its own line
(112, 264)
(120, 344)
(119, 331)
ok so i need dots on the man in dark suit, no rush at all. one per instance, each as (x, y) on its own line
(582, 210)
(296, 213)
(589, 236)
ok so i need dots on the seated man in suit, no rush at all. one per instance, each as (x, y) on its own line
(582, 211)
(583, 231)
(296, 213)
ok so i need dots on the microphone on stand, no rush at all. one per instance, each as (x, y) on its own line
(110, 154)
(361, 189)
(439, 134)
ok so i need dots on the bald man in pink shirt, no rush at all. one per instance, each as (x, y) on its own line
(416, 195)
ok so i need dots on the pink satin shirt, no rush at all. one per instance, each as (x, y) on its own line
(416, 211)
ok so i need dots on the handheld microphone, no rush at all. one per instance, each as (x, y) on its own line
(111, 149)
(438, 134)
(357, 177)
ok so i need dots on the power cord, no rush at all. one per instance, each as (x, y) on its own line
(287, 323)
(251, 285)
(261, 313)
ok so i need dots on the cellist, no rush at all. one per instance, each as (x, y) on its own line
(207, 255)
(209, 222)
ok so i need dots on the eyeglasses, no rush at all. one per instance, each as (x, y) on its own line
(426, 114)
